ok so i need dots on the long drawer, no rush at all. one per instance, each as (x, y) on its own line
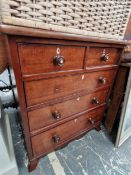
(43, 58)
(38, 91)
(52, 114)
(50, 140)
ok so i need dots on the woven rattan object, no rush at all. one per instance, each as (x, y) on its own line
(3, 54)
(101, 18)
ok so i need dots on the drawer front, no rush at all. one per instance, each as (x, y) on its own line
(97, 56)
(50, 140)
(40, 58)
(42, 90)
(54, 113)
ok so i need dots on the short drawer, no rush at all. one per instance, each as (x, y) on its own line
(50, 140)
(97, 56)
(38, 91)
(54, 113)
(40, 58)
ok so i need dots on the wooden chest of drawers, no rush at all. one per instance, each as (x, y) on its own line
(63, 84)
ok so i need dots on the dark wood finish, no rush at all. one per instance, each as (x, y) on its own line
(39, 58)
(63, 95)
(69, 72)
(65, 98)
(25, 31)
(97, 56)
(48, 141)
(98, 128)
(32, 165)
(116, 98)
(48, 127)
(56, 112)
(48, 89)
(15, 65)
(63, 41)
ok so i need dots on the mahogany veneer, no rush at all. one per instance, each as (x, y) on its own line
(95, 53)
(57, 136)
(63, 83)
(54, 113)
(37, 58)
(48, 89)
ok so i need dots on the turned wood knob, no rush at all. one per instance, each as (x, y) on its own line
(102, 80)
(56, 115)
(58, 60)
(105, 57)
(56, 138)
(95, 100)
(91, 121)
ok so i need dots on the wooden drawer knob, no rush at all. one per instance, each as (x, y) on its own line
(102, 80)
(56, 115)
(58, 60)
(91, 121)
(95, 100)
(56, 138)
(105, 57)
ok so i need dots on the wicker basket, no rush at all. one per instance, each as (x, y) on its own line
(3, 54)
(101, 18)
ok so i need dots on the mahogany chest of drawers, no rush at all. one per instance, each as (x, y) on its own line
(63, 83)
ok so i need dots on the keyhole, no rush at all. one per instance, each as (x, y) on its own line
(104, 51)
(58, 51)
